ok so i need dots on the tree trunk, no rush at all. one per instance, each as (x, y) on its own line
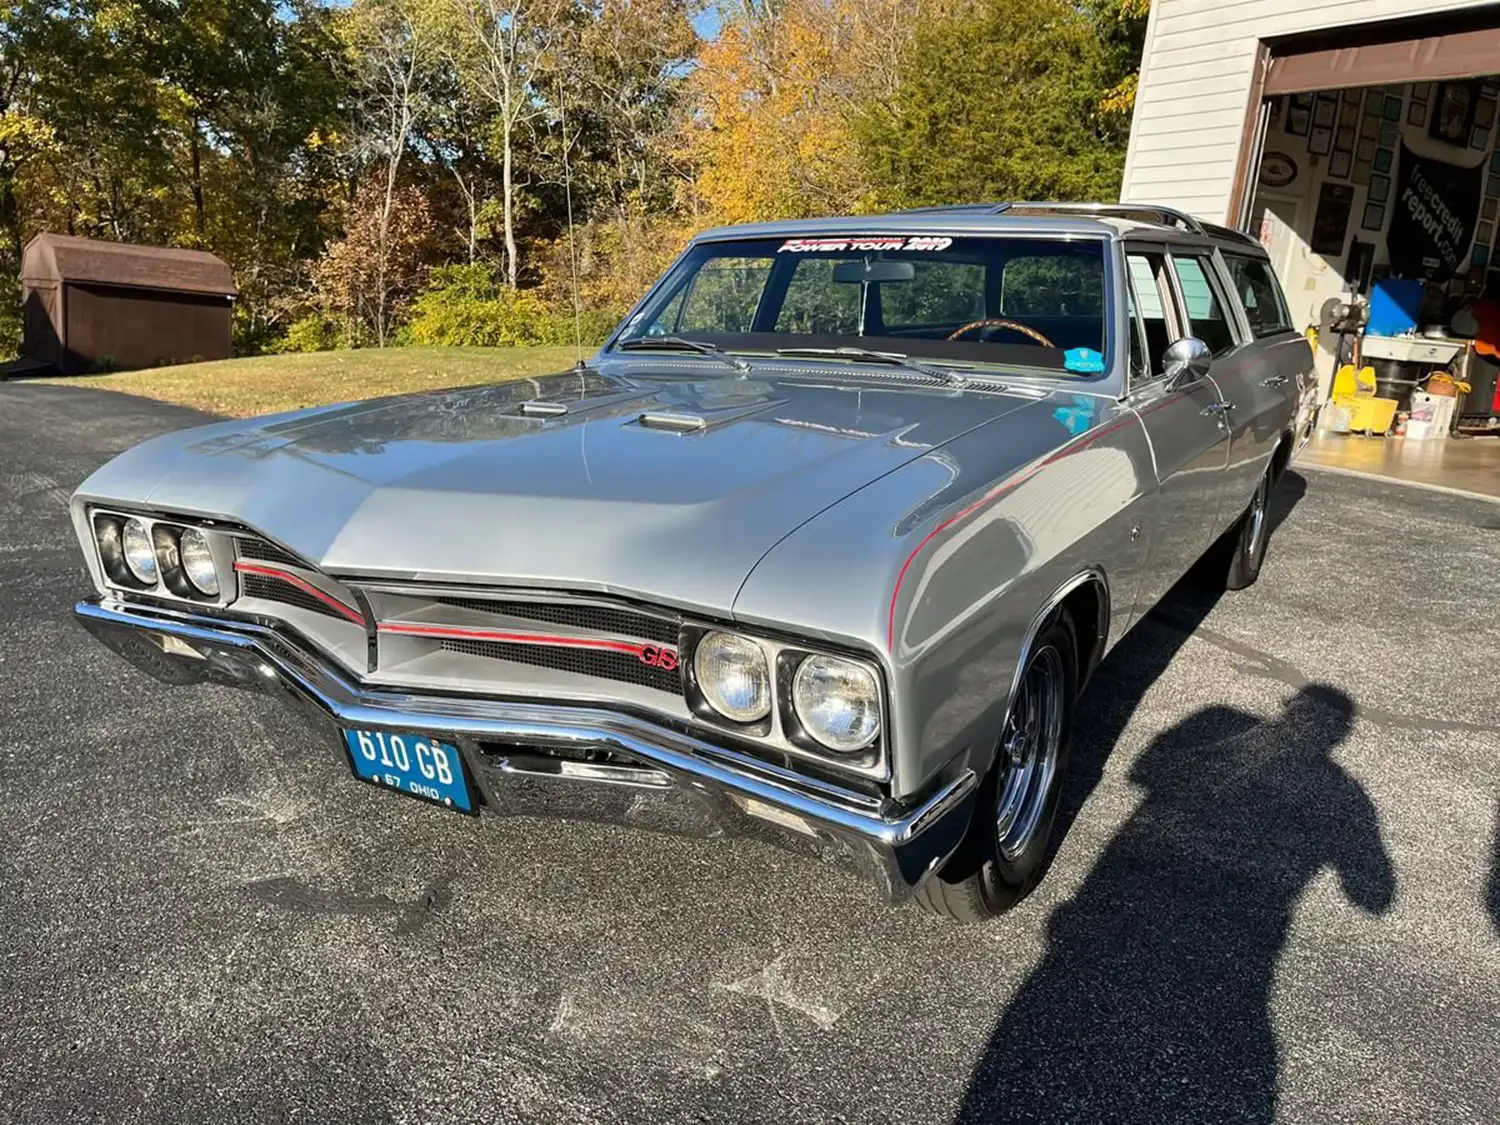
(508, 193)
(199, 222)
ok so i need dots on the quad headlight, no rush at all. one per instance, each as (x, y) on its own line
(138, 551)
(837, 702)
(734, 677)
(160, 555)
(198, 561)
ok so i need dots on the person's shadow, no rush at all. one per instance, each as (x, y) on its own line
(1151, 1003)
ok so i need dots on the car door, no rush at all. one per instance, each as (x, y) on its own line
(1281, 381)
(1183, 422)
(1239, 366)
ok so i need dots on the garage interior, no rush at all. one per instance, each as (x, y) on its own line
(1372, 177)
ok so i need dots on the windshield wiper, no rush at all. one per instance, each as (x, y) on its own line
(679, 343)
(893, 359)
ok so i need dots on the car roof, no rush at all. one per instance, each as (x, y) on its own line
(993, 219)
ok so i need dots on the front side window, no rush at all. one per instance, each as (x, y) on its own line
(1207, 318)
(1259, 295)
(1149, 297)
(933, 297)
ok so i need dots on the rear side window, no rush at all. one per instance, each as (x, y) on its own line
(1255, 286)
(1205, 311)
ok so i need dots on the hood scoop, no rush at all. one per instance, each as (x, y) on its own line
(697, 421)
(535, 408)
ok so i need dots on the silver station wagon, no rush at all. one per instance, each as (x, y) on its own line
(821, 546)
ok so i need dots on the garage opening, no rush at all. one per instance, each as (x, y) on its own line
(1373, 180)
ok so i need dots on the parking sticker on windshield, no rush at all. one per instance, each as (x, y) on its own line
(864, 244)
(1085, 361)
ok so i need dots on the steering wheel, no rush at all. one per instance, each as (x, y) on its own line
(1013, 325)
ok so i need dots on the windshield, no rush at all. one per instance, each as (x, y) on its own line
(1027, 302)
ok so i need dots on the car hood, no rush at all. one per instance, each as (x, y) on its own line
(633, 479)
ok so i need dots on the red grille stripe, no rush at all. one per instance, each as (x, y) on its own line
(268, 571)
(464, 633)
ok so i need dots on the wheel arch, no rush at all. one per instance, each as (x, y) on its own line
(1085, 598)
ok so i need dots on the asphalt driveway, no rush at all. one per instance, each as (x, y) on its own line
(1278, 898)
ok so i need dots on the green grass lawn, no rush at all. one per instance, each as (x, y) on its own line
(270, 383)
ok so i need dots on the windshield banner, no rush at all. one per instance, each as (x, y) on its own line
(864, 244)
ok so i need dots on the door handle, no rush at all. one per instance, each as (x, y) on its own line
(1274, 381)
(1217, 408)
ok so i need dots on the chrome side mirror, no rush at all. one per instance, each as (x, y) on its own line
(1186, 362)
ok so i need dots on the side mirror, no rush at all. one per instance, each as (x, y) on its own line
(1186, 361)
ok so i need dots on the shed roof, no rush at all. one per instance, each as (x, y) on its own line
(62, 257)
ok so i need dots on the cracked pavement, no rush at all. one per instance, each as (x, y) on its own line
(1277, 897)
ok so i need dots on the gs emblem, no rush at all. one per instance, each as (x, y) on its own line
(663, 658)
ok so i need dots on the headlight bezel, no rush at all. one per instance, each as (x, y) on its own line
(164, 534)
(782, 734)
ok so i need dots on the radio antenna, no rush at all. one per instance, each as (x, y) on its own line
(562, 105)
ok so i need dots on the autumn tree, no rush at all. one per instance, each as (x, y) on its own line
(367, 279)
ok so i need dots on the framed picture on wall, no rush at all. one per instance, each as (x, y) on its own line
(1370, 126)
(1320, 141)
(1383, 160)
(1390, 133)
(1344, 138)
(1361, 171)
(1490, 208)
(1480, 257)
(1484, 113)
(1351, 98)
(1331, 219)
(1366, 149)
(1417, 114)
(1380, 189)
(1453, 113)
(1421, 91)
(1374, 217)
(1339, 164)
(1325, 112)
(1392, 108)
(1492, 187)
(1485, 233)
(1495, 163)
(1479, 138)
(1298, 119)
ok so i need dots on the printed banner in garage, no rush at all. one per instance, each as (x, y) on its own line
(1437, 206)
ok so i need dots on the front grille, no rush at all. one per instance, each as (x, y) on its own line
(611, 620)
(622, 667)
(274, 590)
(261, 551)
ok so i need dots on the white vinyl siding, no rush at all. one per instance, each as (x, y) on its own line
(1196, 76)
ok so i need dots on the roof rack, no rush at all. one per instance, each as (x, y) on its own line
(958, 208)
(1167, 216)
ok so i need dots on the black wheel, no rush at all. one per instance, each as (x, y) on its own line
(1248, 539)
(1002, 857)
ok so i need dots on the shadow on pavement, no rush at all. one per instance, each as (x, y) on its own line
(1492, 899)
(1151, 1002)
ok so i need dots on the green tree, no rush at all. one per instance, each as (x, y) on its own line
(1002, 103)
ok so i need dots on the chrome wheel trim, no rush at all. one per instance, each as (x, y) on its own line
(1257, 518)
(1028, 753)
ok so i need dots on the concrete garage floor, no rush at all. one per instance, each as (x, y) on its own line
(1468, 464)
(1277, 899)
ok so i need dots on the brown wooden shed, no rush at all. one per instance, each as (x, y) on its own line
(94, 305)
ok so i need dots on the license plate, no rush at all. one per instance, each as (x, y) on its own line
(411, 763)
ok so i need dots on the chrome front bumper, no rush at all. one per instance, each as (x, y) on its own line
(527, 758)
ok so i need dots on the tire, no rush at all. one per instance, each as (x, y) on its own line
(1003, 855)
(1249, 538)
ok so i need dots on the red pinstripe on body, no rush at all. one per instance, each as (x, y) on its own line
(1014, 482)
(268, 570)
